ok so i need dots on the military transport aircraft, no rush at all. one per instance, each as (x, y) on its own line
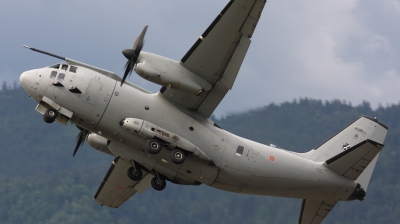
(168, 135)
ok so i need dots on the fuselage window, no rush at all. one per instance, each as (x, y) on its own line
(61, 77)
(55, 66)
(64, 67)
(239, 150)
(53, 74)
(73, 69)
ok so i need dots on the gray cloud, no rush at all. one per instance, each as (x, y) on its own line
(343, 49)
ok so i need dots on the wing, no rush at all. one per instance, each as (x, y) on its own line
(315, 211)
(218, 54)
(116, 187)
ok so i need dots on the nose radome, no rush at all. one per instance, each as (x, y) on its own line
(27, 79)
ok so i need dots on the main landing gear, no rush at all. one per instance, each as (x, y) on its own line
(154, 146)
(177, 155)
(50, 116)
(158, 183)
(135, 172)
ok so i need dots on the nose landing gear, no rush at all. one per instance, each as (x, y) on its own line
(50, 116)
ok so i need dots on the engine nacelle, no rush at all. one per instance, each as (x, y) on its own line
(98, 143)
(148, 130)
(170, 73)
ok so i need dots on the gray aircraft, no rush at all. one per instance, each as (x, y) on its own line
(168, 135)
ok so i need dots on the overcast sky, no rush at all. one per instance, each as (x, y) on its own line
(321, 49)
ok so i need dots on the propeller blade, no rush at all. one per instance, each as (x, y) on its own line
(80, 139)
(139, 42)
(133, 54)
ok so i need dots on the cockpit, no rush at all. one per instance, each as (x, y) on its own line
(60, 70)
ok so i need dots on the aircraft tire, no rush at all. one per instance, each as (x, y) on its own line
(178, 156)
(158, 184)
(154, 146)
(135, 176)
(50, 116)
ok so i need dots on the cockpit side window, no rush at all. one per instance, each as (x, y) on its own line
(61, 77)
(55, 66)
(73, 69)
(53, 74)
(64, 67)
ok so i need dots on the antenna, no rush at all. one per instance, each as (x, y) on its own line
(44, 52)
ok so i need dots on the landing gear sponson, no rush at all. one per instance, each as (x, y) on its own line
(159, 137)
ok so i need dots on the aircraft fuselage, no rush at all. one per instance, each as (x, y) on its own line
(238, 165)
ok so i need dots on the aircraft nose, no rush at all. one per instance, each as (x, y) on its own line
(27, 80)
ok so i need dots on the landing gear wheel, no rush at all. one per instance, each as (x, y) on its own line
(49, 116)
(178, 156)
(158, 184)
(154, 146)
(135, 175)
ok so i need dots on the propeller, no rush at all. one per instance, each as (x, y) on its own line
(80, 139)
(133, 54)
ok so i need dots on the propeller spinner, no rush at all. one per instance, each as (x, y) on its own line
(133, 54)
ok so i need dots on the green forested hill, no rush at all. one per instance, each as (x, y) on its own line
(42, 183)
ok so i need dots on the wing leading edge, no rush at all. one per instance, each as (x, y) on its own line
(218, 55)
(116, 188)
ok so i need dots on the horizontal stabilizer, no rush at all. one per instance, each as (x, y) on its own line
(352, 162)
(315, 211)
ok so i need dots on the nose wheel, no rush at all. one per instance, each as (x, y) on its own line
(50, 116)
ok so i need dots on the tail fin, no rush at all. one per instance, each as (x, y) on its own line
(362, 129)
(352, 152)
(352, 162)
(365, 176)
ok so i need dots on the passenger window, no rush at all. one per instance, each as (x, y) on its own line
(53, 74)
(55, 66)
(239, 150)
(73, 69)
(64, 67)
(61, 77)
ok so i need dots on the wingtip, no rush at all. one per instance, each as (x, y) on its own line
(25, 46)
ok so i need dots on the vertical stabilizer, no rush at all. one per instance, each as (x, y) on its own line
(365, 176)
(362, 129)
